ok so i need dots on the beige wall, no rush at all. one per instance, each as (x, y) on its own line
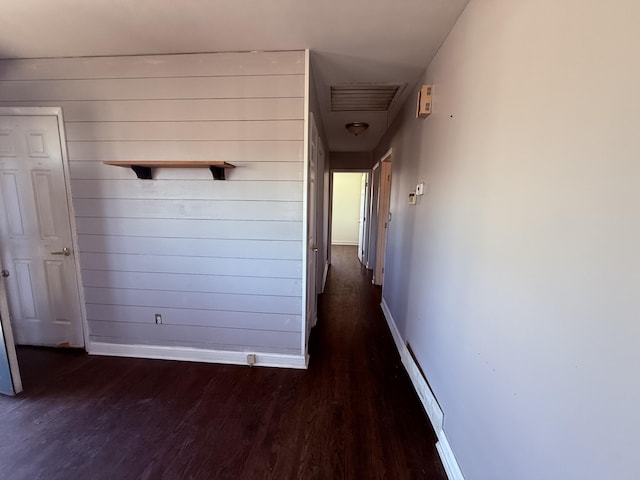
(346, 208)
(515, 279)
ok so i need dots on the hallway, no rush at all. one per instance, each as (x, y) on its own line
(352, 414)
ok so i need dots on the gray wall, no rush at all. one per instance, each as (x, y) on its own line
(221, 261)
(515, 278)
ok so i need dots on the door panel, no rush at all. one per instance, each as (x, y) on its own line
(35, 234)
(26, 306)
(44, 204)
(12, 208)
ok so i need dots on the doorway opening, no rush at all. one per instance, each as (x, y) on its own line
(361, 203)
(349, 211)
(40, 302)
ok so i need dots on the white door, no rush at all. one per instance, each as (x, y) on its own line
(35, 234)
(10, 382)
(312, 249)
(362, 220)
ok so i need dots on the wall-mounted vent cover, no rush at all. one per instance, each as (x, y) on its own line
(362, 97)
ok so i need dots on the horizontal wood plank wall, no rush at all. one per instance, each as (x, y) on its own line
(220, 260)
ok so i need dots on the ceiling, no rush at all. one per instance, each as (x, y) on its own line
(352, 41)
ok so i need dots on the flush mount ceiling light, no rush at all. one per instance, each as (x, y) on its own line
(356, 128)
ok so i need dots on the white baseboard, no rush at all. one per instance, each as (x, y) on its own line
(428, 399)
(448, 459)
(197, 355)
(345, 242)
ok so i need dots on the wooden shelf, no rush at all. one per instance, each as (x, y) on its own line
(142, 168)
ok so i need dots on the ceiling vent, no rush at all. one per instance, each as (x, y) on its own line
(363, 97)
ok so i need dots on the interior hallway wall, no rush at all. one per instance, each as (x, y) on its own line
(515, 278)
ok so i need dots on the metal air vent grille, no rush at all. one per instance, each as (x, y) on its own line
(362, 98)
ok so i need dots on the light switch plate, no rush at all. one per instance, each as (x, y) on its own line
(420, 189)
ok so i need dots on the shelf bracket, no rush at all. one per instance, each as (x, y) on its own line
(143, 173)
(217, 172)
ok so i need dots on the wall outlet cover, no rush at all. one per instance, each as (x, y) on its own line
(412, 198)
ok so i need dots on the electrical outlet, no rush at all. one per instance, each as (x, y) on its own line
(158, 319)
(420, 189)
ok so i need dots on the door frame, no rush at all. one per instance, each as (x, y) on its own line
(343, 170)
(57, 112)
(333, 171)
(9, 343)
(383, 220)
(363, 229)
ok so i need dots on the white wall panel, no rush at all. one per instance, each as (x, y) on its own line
(284, 287)
(220, 260)
(152, 66)
(180, 228)
(193, 209)
(174, 110)
(192, 190)
(195, 247)
(92, 131)
(202, 318)
(195, 300)
(258, 86)
(179, 335)
(228, 151)
(242, 267)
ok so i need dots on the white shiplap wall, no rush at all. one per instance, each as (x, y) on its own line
(220, 260)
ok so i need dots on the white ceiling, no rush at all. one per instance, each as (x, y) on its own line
(352, 41)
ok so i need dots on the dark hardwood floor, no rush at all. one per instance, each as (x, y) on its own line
(353, 414)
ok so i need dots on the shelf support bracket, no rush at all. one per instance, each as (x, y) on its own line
(217, 172)
(143, 173)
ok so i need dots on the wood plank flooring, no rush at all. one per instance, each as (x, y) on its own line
(352, 415)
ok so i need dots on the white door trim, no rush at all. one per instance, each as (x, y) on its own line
(344, 170)
(305, 201)
(384, 207)
(386, 156)
(57, 112)
(7, 333)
